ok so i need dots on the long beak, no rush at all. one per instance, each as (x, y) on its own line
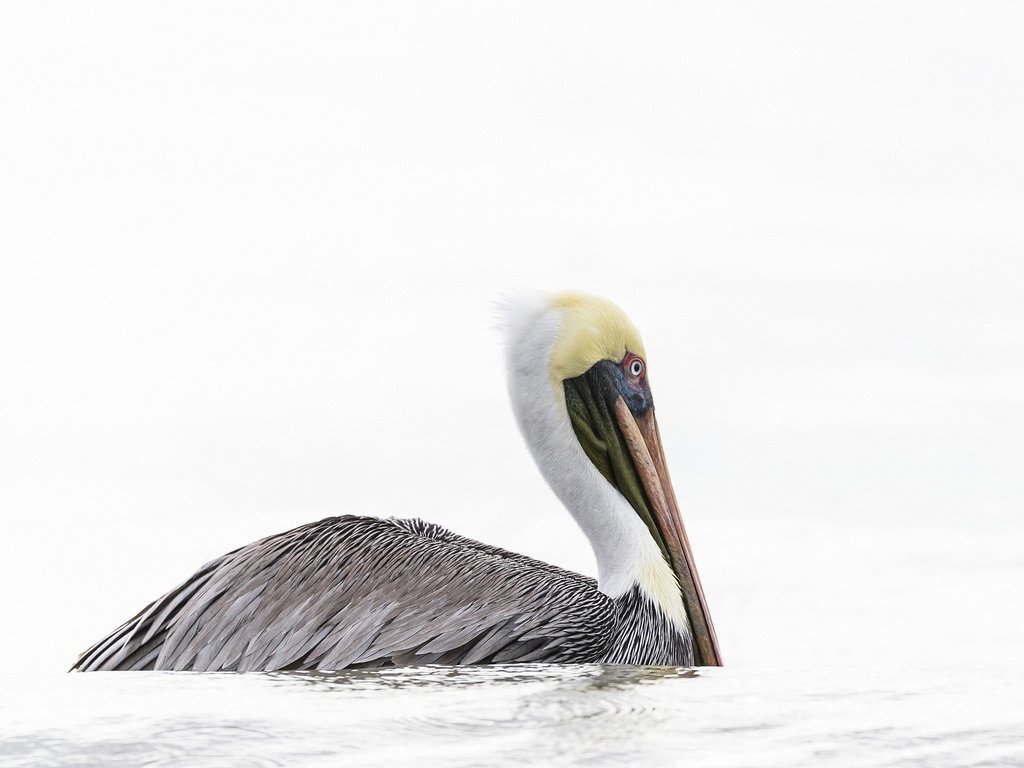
(644, 444)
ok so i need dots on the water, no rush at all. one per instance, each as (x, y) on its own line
(961, 715)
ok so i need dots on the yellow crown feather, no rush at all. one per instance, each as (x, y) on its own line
(593, 329)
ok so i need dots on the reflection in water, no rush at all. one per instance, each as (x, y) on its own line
(542, 715)
(590, 675)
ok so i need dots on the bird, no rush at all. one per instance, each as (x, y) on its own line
(358, 592)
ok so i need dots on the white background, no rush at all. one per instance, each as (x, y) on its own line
(249, 252)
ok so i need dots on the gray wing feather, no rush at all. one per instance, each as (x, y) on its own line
(358, 591)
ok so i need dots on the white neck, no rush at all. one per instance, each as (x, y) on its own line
(626, 554)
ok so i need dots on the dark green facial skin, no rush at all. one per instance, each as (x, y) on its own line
(590, 399)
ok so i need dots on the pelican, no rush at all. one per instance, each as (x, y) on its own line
(363, 592)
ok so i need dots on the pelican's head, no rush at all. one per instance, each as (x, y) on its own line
(580, 389)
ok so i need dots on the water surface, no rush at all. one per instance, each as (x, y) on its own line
(528, 714)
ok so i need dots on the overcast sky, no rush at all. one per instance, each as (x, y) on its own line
(249, 252)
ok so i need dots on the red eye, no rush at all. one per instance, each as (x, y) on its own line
(634, 366)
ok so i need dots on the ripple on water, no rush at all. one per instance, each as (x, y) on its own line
(538, 699)
(570, 714)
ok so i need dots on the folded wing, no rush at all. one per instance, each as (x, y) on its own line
(361, 592)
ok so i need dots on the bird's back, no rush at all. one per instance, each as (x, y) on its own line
(362, 592)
